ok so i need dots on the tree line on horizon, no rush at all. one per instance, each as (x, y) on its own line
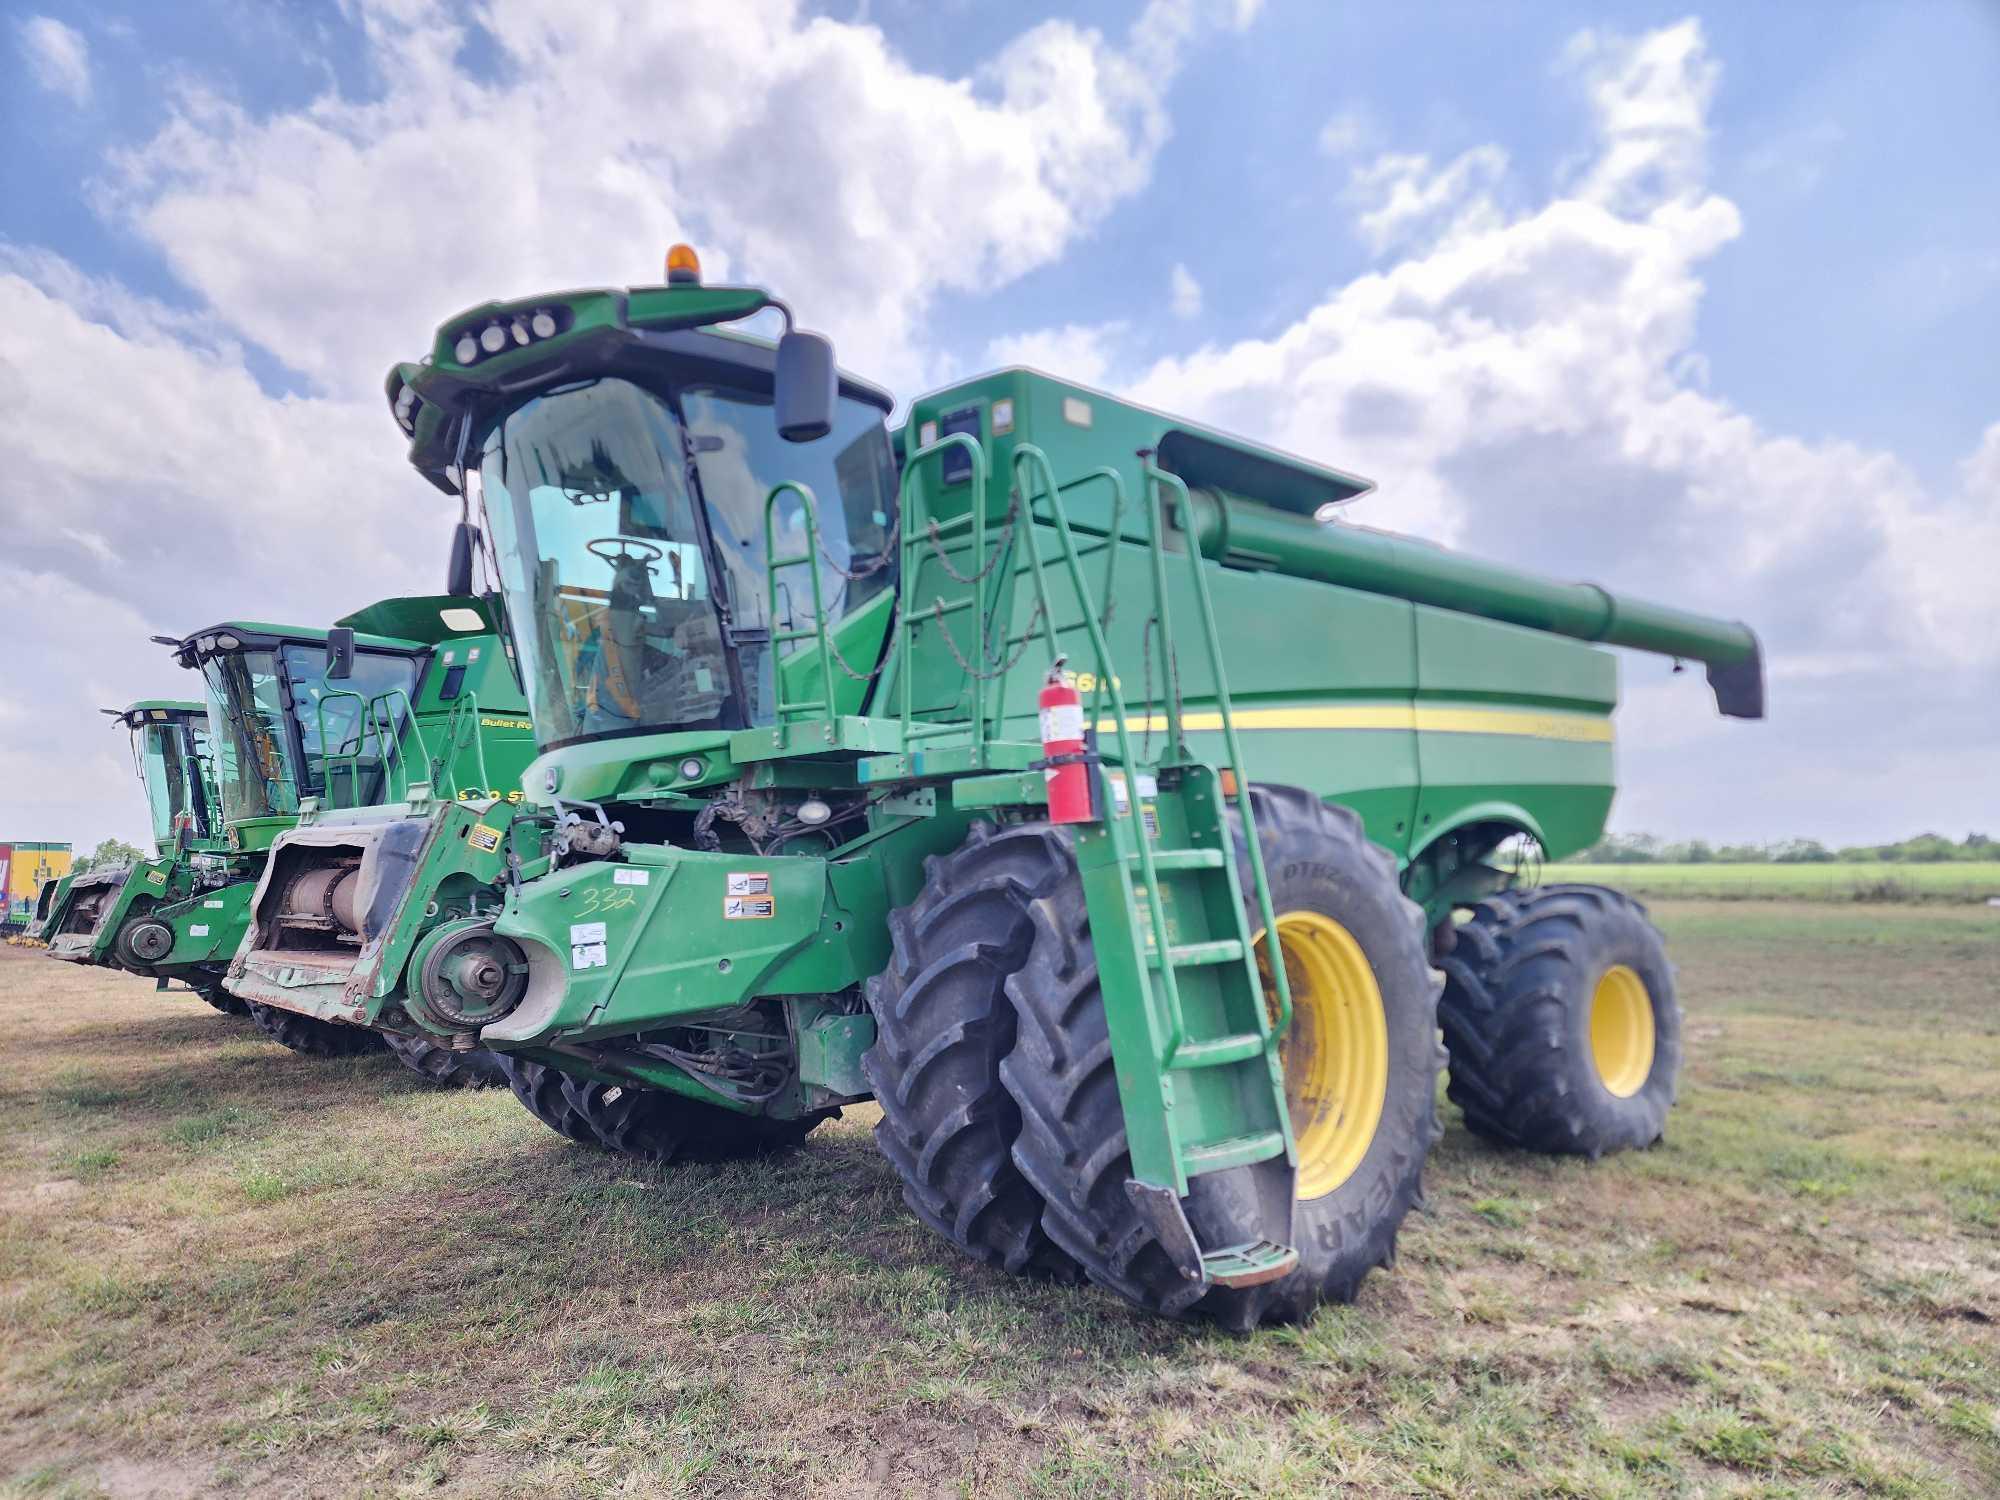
(1648, 849)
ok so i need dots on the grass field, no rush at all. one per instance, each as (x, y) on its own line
(226, 1270)
(1969, 882)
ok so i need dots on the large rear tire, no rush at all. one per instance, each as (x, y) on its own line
(1562, 1023)
(477, 1069)
(943, 1023)
(1361, 1155)
(312, 1036)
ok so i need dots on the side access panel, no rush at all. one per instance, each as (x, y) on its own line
(207, 928)
(1509, 718)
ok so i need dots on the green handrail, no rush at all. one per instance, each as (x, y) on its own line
(906, 618)
(1156, 476)
(446, 766)
(1026, 455)
(772, 564)
(385, 731)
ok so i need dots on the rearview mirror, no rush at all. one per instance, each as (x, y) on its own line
(805, 387)
(340, 652)
(458, 571)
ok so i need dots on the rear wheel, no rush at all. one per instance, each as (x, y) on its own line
(1361, 1061)
(312, 1036)
(943, 1023)
(476, 1069)
(1562, 1023)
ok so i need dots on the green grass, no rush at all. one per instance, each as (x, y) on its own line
(1967, 882)
(228, 1270)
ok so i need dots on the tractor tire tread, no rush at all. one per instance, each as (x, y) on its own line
(943, 1022)
(311, 1036)
(1517, 1070)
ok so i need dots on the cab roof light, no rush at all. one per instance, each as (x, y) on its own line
(683, 266)
(477, 340)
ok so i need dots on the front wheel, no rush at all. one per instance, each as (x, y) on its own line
(311, 1036)
(476, 1069)
(1360, 1061)
(214, 994)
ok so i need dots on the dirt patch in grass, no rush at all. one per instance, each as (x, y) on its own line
(226, 1269)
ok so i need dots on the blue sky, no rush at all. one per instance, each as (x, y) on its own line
(252, 205)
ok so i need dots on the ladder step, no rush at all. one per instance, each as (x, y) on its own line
(1233, 1151)
(1187, 859)
(1249, 1265)
(1219, 1051)
(1189, 955)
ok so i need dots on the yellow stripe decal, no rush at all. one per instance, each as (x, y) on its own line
(1536, 723)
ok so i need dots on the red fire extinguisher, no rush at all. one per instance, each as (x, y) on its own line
(1065, 766)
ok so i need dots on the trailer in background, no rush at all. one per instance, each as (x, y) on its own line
(24, 866)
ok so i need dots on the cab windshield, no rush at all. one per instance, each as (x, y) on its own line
(170, 768)
(337, 741)
(629, 529)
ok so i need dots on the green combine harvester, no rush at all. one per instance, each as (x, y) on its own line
(1067, 778)
(406, 700)
(107, 916)
(385, 705)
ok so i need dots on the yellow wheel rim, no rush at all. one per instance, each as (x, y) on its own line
(1621, 1031)
(1336, 1052)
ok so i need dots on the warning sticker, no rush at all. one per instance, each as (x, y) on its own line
(198, 931)
(483, 837)
(631, 877)
(217, 905)
(1120, 794)
(587, 946)
(749, 896)
(157, 877)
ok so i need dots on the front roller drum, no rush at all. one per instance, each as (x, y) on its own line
(464, 976)
(142, 942)
(1561, 1020)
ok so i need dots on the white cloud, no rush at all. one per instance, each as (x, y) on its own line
(1184, 293)
(58, 56)
(1080, 352)
(1346, 133)
(148, 465)
(1407, 198)
(1522, 383)
(794, 150)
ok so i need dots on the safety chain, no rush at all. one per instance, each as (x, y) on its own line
(1000, 669)
(999, 546)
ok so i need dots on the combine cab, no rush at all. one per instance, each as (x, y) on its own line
(1070, 780)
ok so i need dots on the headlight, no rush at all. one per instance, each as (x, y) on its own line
(466, 350)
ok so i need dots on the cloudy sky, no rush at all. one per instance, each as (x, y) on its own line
(1700, 306)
